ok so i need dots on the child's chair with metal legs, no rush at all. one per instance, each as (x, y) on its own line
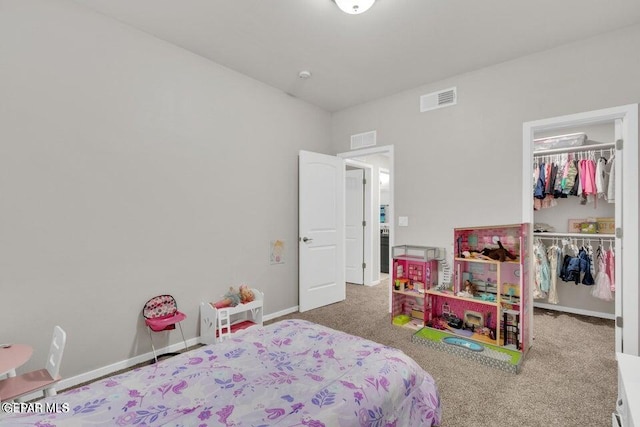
(161, 314)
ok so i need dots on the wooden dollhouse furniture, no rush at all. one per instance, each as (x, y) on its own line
(216, 324)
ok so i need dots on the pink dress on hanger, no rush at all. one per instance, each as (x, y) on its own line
(602, 288)
(611, 268)
(588, 176)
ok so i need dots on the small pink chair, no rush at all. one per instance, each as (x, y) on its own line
(161, 314)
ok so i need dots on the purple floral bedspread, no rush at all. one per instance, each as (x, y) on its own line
(289, 373)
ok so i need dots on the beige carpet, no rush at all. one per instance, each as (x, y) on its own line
(569, 377)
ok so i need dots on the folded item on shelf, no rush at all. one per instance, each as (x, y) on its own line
(560, 141)
(542, 227)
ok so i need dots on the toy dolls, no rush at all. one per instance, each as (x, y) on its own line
(469, 290)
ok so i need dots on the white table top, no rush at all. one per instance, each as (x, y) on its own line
(13, 357)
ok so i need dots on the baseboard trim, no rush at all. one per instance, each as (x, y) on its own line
(281, 313)
(565, 309)
(123, 364)
(128, 363)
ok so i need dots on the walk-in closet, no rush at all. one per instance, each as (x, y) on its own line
(579, 186)
(574, 220)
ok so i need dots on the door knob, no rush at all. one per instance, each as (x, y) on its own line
(306, 239)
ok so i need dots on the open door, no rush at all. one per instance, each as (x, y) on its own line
(321, 237)
(354, 226)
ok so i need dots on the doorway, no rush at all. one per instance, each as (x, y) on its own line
(321, 187)
(378, 161)
(385, 201)
(624, 120)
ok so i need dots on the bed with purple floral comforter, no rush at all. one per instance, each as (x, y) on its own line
(289, 373)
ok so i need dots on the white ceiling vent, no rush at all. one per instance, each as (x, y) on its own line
(440, 99)
(365, 139)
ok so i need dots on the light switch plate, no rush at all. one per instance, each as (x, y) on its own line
(403, 221)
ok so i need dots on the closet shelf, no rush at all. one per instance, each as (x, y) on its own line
(576, 235)
(591, 147)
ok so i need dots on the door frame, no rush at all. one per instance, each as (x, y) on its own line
(627, 298)
(374, 233)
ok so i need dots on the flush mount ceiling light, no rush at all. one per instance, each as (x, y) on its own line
(354, 7)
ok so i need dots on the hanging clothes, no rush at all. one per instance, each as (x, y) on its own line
(585, 267)
(559, 176)
(602, 289)
(577, 269)
(539, 193)
(587, 179)
(552, 172)
(611, 186)
(601, 183)
(588, 176)
(553, 254)
(569, 248)
(542, 276)
(570, 269)
(592, 265)
(572, 175)
(574, 168)
(611, 267)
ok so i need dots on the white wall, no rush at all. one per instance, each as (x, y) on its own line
(462, 165)
(129, 168)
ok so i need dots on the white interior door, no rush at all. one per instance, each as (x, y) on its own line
(321, 243)
(354, 228)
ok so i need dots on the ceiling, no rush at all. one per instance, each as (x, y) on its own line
(395, 46)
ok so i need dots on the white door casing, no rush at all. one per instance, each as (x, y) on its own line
(321, 231)
(354, 228)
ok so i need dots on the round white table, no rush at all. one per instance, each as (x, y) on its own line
(13, 357)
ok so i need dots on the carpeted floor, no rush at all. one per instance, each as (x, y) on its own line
(569, 377)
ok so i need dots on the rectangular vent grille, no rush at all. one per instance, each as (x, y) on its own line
(365, 139)
(440, 99)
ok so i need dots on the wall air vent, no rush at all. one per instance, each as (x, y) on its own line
(365, 139)
(440, 99)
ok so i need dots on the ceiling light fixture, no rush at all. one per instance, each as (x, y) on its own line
(354, 7)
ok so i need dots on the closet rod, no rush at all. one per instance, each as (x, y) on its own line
(591, 147)
(543, 234)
